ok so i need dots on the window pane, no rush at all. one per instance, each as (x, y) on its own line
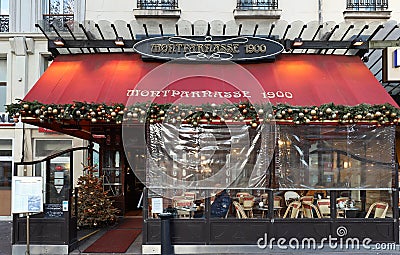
(3, 70)
(4, 4)
(335, 157)
(48, 147)
(3, 98)
(5, 173)
(58, 182)
(5, 148)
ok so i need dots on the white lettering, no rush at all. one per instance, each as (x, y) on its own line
(270, 94)
(311, 243)
(155, 93)
(366, 242)
(185, 94)
(321, 245)
(227, 94)
(165, 92)
(144, 93)
(246, 93)
(288, 94)
(271, 242)
(279, 94)
(129, 92)
(207, 93)
(264, 245)
(294, 240)
(195, 94)
(218, 94)
(175, 93)
(355, 243)
(332, 245)
(281, 241)
(236, 94)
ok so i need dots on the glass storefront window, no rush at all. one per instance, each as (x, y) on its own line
(311, 164)
(334, 157)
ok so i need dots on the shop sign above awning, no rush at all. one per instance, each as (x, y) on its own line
(243, 48)
(294, 79)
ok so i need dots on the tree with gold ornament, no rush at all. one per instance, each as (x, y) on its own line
(95, 208)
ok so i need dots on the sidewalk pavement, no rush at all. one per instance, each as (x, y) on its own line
(5, 237)
(135, 248)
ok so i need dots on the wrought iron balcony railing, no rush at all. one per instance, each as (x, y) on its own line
(367, 5)
(57, 20)
(157, 4)
(257, 4)
(4, 23)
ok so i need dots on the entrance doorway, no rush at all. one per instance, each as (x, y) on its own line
(133, 193)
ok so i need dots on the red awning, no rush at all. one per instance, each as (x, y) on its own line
(299, 80)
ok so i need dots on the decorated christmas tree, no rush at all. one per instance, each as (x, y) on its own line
(95, 207)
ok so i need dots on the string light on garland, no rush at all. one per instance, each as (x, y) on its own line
(244, 112)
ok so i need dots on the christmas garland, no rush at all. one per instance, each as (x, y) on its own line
(245, 112)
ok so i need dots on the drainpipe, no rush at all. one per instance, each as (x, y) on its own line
(320, 21)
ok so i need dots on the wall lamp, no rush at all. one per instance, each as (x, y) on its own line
(357, 42)
(59, 41)
(297, 42)
(119, 41)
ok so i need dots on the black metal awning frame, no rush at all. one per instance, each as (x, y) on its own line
(78, 39)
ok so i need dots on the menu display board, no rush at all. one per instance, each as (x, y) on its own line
(27, 194)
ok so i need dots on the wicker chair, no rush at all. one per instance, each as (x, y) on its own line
(181, 204)
(294, 209)
(380, 209)
(291, 196)
(240, 213)
(309, 209)
(248, 203)
(324, 206)
(307, 199)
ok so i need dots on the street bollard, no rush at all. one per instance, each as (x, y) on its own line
(166, 246)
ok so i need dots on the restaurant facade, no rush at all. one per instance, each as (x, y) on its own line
(243, 139)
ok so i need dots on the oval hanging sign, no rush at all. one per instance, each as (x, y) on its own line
(244, 48)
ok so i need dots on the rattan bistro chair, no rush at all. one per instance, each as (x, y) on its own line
(380, 209)
(291, 196)
(309, 209)
(240, 213)
(248, 203)
(324, 206)
(294, 209)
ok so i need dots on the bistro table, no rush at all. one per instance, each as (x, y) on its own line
(350, 210)
(189, 210)
(264, 209)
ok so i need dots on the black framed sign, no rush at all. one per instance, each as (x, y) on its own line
(242, 48)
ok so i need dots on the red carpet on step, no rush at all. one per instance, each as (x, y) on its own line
(132, 223)
(118, 240)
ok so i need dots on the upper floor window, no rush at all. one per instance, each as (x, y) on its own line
(367, 5)
(4, 16)
(3, 84)
(157, 4)
(58, 12)
(257, 4)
